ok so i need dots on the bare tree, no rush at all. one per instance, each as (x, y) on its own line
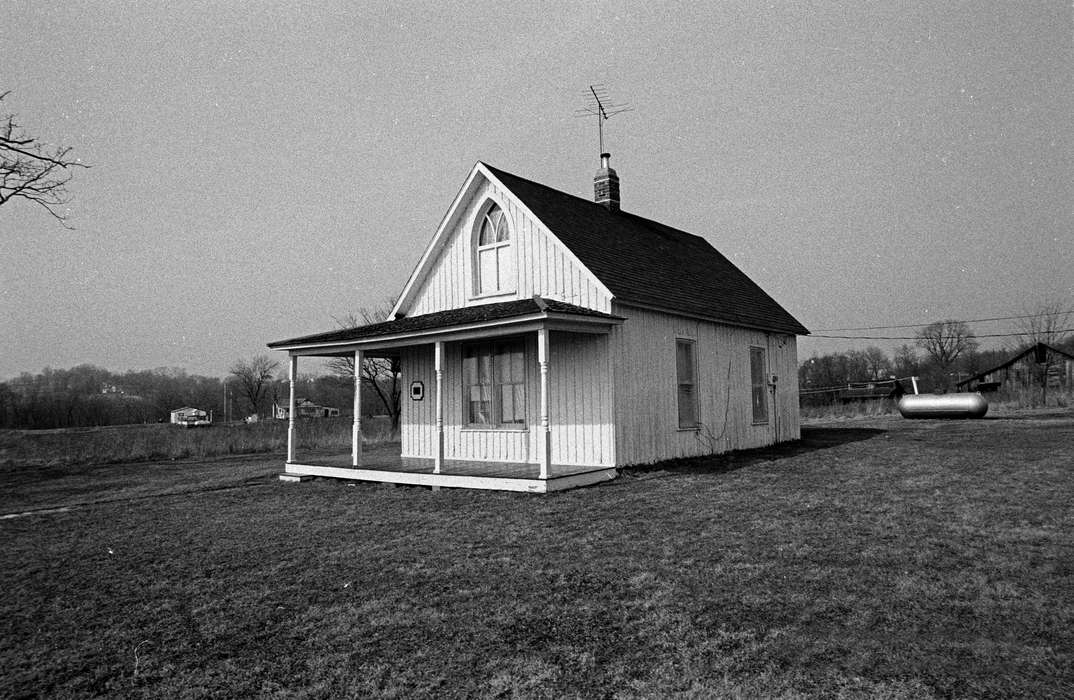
(877, 362)
(1047, 322)
(379, 373)
(254, 375)
(945, 342)
(32, 171)
(906, 361)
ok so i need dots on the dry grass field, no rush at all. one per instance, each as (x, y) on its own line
(876, 558)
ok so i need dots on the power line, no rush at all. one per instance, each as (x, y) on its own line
(904, 337)
(920, 325)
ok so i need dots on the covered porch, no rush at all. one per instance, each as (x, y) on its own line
(440, 447)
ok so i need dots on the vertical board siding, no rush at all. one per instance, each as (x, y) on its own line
(646, 411)
(580, 408)
(541, 264)
(417, 420)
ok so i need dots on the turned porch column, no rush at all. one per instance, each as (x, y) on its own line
(546, 428)
(292, 373)
(356, 427)
(438, 362)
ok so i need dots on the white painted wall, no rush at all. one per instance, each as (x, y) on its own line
(643, 358)
(541, 264)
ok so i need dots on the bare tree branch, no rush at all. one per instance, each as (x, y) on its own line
(945, 342)
(253, 376)
(380, 373)
(1044, 323)
(32, 171)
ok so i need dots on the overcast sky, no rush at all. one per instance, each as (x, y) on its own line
(261, 168)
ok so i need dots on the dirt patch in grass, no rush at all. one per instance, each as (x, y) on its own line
(881, 558)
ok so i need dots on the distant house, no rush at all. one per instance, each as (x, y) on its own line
(304, 408)
(1039, 365)
(189, 415)
(544, 340)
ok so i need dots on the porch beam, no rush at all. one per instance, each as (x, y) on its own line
(292, 374)
(356, 427)
(546, 428)
(438, 361)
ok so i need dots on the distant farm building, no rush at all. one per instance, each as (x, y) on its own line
(876, 390)
(189, 414)
(1040, 365)
(304, 408)
(872, 391)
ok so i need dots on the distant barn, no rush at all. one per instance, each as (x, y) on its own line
(304, 408)
(1039, 365)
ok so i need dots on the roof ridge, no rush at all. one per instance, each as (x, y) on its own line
(621, 212)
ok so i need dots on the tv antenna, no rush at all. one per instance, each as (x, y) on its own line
(601, 106)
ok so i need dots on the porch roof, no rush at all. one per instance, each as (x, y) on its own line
(503, 316)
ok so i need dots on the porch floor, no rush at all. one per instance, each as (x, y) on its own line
(379, 461)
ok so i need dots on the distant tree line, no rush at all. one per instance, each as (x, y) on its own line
(88, 395)
(943, 354)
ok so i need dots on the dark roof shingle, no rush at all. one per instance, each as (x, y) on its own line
(647, 263)
(445, 320)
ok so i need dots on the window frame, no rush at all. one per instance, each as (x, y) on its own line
(492, 349)
(695, 423)
(761, 352)
(499, 249)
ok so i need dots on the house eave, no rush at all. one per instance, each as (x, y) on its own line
(550, 320)
(710, 319)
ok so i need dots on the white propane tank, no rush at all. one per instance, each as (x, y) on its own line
(965, 405)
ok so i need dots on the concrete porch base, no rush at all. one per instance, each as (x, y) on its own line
(460, 481)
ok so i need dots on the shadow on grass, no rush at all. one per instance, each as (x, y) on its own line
(813, 439)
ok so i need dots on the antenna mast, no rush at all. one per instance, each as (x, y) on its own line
(601, 106)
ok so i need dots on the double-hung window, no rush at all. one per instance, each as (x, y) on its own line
(686, 376)
(494, 379)
(759, 385)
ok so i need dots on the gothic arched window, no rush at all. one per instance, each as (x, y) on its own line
(494, 270)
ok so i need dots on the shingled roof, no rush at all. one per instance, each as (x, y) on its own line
(445, 320)
(646, 263)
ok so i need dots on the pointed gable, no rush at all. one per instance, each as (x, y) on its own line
(533, 261)
(646, 263)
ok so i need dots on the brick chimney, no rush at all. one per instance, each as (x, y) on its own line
(606, 184)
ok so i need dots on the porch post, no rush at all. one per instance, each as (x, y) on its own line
(356, 427)
(292, 373)
(438, 361)
(546, 429)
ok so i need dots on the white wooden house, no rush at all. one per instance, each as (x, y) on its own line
(545, 340)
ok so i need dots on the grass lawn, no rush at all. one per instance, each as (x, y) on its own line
(886, 558)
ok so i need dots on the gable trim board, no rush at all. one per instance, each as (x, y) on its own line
(599, 389)
(454, 217)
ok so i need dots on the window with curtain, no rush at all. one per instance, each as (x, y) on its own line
(758, 377)
(686, 370)
(493, 263)
(494, 378)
